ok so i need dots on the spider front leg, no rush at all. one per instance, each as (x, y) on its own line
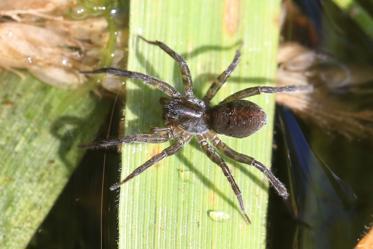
(171, 150)
(251, 91)
(214, 156)
(185, 72)
(226, 150)
(222, 78)
(150, 80)
(159, 135)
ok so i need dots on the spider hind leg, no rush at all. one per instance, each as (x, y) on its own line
(242, 158)
(214, 156)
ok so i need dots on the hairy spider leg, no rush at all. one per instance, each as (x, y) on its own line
(185, 72)
(215, 157)
(222, 78)
(171, 150)
(150, 80)
(159, 135)
(229, 152)
(251, 91)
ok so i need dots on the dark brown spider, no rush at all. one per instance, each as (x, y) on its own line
(186, 116)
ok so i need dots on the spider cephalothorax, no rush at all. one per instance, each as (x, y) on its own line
(186, 116)
(187, 113)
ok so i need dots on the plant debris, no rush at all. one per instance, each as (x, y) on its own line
(332, 80)
(34, 35)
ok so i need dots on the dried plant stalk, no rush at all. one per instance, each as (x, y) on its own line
(54, 50)
(20, 9)
(299, 65)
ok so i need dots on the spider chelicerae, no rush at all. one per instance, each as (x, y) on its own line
(187, 116)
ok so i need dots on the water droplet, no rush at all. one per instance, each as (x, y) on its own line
(29, 60)
(65, 61)
(119, 16)
(114, 12)
(218, 215)
(79, 12)
(99, 9)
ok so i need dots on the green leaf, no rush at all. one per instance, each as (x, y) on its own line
(40, 129)
(358, 14)
(185, 201)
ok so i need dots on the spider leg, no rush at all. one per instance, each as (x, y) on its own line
(214, 156)
(147, 79)
(251, 91)
(171, 150)
(185, 72)
(159, 135)
(222, 78)
(226, 150)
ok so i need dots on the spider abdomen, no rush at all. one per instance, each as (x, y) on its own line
(238, 118)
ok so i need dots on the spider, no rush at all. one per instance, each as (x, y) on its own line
(187, 116)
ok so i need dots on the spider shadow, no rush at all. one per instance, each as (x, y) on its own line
(206, 182)
(68, 130)
(152, 112)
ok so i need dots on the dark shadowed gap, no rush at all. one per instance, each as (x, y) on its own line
(84, 216)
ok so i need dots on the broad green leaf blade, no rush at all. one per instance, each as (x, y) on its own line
(40, 129)
(185, 201)
(358, 14)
